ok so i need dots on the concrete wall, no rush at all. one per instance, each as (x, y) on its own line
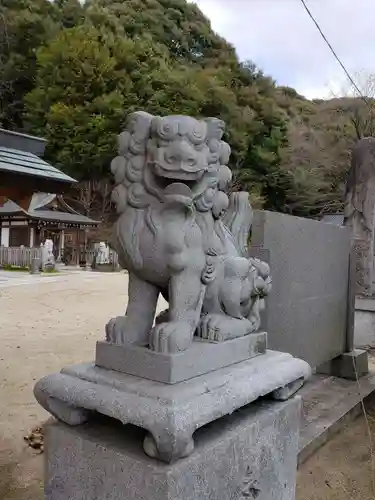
(307, 308)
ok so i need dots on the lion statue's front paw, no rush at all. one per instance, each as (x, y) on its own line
(171, 337)
(118, 331)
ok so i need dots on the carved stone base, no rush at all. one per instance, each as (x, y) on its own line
(202, 357)
(171, 413)
(251, 454)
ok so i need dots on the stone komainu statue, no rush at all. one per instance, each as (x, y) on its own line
(180, 235)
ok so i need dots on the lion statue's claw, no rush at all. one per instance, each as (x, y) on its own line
(219, 327)
(209, 328)
(117, 331)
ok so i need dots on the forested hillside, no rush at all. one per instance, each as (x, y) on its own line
(72, 72)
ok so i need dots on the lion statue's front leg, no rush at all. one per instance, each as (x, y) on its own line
(135, 326)
(174, 329)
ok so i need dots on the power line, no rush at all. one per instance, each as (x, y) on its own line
(334, 53)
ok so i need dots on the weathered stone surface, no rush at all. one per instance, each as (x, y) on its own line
(360, 211)
(250, 454)
(307, 309)
(364, 323)
(200, 358)
(180, 234)
(171, 413)
(35, 266)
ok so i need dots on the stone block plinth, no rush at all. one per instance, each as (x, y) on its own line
(201, 358)
(251, 454)
(350, 365)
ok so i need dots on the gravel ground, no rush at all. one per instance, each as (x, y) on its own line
(49, 324)
(45, 325)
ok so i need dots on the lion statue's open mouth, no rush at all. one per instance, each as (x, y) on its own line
(177, 158)
(178, 185)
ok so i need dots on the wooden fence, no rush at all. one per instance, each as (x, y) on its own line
(112, 258)
(23, 256)
(18, 256)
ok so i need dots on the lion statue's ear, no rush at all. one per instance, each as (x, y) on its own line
(215, 128)
(219, 150)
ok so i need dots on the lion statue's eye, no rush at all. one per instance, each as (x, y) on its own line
(191, 162)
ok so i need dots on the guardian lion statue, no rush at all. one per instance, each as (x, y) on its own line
(179, 234)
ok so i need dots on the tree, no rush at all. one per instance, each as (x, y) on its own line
(175, 24)
(320, 138)
(359, 108)
(25, 25)
(92, 76)
(80, 99)
(237, 92)
(69, 13)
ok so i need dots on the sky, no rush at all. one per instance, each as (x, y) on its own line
(282, 40)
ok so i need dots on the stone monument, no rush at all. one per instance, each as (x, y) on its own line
(102, 255)
(360, 211)
(213, 407)
(359, 215)
(48, 259)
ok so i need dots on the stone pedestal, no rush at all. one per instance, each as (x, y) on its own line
(171, 413)
(251, 454)
(35, 266)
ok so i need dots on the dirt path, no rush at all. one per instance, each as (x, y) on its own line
(44, 326)
(47, 325)
(342, 469)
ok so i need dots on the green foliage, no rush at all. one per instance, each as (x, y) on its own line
(175, 24)
(73, 71)
(78, 100)
(49, 270)
(69, 13)
(17, 269)
(161, 56)
(25, 25)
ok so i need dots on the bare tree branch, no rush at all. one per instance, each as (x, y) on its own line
(362, 114)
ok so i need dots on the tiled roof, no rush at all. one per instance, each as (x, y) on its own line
(23, 162)
(56, 216)
(10, 208)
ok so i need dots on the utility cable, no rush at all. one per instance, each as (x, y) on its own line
(334, 53)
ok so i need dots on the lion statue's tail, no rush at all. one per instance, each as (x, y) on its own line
(238, 220)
